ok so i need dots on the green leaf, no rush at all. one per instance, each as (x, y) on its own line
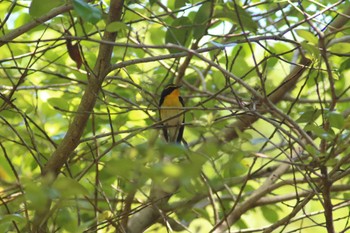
(242, 224)
(172, 170)
(86, 11)
(281, 48)
(172, 149)
(65, 220)
(312, 150)
(75, 188)
(179, 33)
(307, 36)
(116, 27)
(122, 167)
(40, 7)
(309, 115)
(270, 214)
(36, 194)
(201, 19)
(343, 48)
(244, 136)
(7, 221)
(9, 218)
(211, 149)
(312, 77)
(58, 103)
(345, 65)
(311, 49)
(347, 122)
(176, 4)
(346, 196)
(319, 131)
(336, 120)
(234, 169)
(238, 16)
(180, 3)
(155, 35)
(197, 161)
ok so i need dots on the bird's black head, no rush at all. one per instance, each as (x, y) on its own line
(168, 89)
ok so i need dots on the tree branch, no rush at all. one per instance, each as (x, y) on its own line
(242, 208)
(25, 28)
(72, 137)
(102, 65)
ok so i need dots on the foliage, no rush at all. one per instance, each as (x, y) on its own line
(267, 116)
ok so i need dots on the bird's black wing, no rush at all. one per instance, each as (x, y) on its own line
(164, 128)
(181, 129)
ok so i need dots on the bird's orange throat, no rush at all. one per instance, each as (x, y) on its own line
(172, 100)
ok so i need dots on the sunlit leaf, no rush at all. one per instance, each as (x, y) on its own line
(116, 27)
(270, 214)
(242, 223)
(336, 120)
(307, 36)
(313, 50)
(172, 170)
(40, 7)
(176, 4)
(345, 65)
(58, 103)
(137, 115)
(341, 48)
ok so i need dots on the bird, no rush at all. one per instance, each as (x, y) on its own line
(174, 127)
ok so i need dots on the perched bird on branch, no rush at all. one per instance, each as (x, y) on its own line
(170, 108)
